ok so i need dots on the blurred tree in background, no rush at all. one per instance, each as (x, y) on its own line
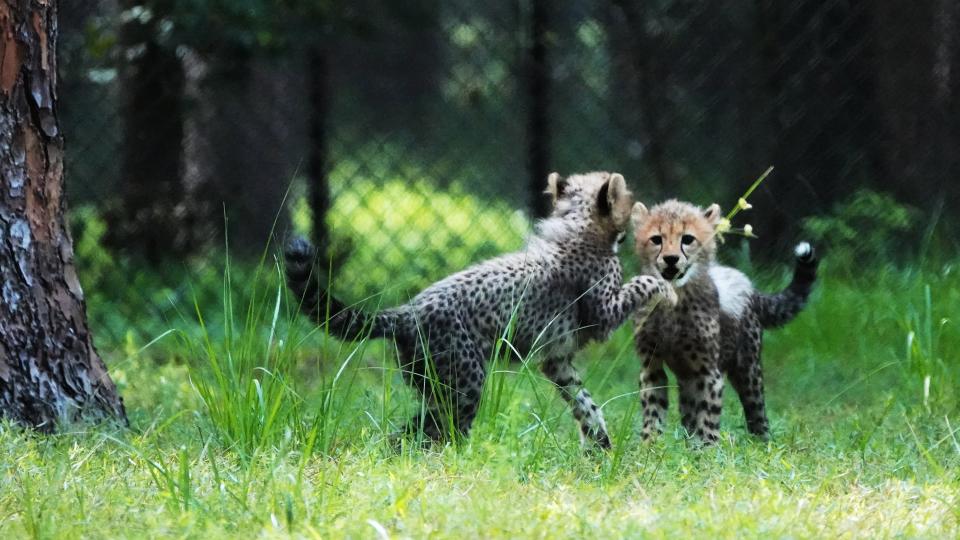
(151, 214)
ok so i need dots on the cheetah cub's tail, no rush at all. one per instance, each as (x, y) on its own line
(775, 310)
(343, 321)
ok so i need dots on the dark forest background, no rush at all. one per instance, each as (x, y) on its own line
(412, 138)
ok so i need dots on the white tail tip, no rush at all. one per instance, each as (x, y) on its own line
(803, 250)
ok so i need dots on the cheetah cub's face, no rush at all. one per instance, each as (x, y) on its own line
(601, 198)
(675, 240)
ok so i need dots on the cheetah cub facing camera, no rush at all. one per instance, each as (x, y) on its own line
(717, 325)
(563, 289)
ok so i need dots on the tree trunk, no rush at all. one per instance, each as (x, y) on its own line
(917, 109)
(150, 218)
(255, 136)
(538, 94)
(650, 75)
(49, 369)
(319, 188)
(820, 104)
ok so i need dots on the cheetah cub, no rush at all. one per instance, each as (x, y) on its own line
(563, 289)
(715, 328)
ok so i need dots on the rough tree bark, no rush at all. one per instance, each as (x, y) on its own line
(49, 369)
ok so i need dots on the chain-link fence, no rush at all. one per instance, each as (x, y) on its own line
(414, 138)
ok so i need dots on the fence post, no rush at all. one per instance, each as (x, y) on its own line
(319, 189)
(538, 90)
(146, 220)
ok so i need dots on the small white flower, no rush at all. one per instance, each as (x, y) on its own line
(748, 230)
(743, 204)
(723, 225)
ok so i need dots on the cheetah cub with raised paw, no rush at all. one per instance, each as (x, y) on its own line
(715, 328)
(562, 290)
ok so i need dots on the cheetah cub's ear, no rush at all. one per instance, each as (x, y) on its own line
(712, 213)
(555, 187)
(615, 200)
(638, 214)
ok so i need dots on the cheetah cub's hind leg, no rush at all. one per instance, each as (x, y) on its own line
(450, 378)
(421, 372)
(701, 402)
(468, 386)
(653, 394)
(592, 426)
(747, 379)
(456, 393)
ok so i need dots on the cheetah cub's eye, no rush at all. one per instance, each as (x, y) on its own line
(656, 239)
(687, 239)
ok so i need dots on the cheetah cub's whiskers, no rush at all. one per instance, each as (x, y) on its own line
(564, 289)
(717, 325)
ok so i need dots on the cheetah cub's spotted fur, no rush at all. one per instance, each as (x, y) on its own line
(562, 290)
(715, 328)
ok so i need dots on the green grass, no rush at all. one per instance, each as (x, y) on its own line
(262, 427)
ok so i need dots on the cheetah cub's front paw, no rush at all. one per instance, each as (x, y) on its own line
(668, 294)
(653, 291)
